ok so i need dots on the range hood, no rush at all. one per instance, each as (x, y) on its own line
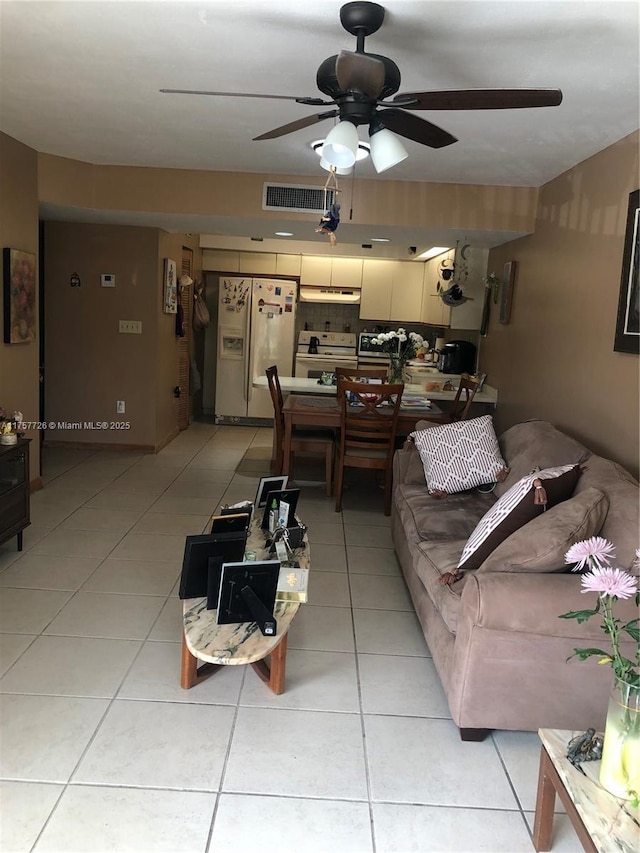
(343, 295)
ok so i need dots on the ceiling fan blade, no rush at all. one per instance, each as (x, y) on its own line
(360, 72)
(480, 99)
(295, 125)
(412, 127)
(314, 102)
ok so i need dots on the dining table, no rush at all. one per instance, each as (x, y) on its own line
(323, 412)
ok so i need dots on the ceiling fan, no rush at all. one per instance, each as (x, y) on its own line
(360, 84)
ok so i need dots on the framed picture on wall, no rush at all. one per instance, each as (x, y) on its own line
(19, 276)
(628, 321)
(170, 287)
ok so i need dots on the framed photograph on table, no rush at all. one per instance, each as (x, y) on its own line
(628, 321)
(19, 274)
(269, 484)
(170, 287)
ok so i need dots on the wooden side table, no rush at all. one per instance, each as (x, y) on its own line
(603, 823)
(14, 490)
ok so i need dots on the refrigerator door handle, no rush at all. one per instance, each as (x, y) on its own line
(246, 391)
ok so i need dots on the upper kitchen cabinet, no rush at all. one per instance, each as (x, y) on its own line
(377, 284)
(288, 265)
(406, 291)
(470, 271)
(346, 272)
(221, 260)
(315, 269)
(258, 263)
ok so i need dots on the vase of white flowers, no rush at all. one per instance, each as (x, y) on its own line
(401, 346)
(620, 766)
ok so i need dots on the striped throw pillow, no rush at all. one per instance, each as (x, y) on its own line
(459, 456)
(516, 508)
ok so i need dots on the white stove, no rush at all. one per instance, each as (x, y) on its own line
(318, 352)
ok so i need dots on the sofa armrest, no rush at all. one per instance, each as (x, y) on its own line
(532, 604)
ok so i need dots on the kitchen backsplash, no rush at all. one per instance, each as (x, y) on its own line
(341, 317)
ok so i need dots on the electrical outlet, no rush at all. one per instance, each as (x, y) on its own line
(120, 407)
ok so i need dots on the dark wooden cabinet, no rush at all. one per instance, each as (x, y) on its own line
(14, 490)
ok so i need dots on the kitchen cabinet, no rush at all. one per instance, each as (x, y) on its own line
(406, 291)
(258, 263)
(346, 272)
(391, 290)
(375, 298)
(315, 269)
(469, 314)
(14, 490)
(220, 260)
(288, 265)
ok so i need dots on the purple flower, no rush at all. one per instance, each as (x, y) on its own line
(608, 581)
(596, 553)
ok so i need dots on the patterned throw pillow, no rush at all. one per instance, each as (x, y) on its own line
(516, 508)
(460, 455)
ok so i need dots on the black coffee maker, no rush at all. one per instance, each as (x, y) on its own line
(457, 357)
(313, 345)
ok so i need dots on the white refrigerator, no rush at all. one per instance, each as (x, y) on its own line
(256, 328)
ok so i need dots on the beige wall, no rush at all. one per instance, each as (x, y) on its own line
(457, 206)
(89, 364)
(555, 359)
(19, 230)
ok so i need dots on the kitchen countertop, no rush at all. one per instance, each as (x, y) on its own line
(302, 385)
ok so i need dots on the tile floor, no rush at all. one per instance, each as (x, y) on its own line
(102, 751)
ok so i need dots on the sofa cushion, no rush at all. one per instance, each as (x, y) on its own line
(432, 561)
(515, 509)
(437, 520)
(536, 444)
(459, 456)
(541, 544)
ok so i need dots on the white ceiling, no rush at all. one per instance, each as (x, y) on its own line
(81, 80)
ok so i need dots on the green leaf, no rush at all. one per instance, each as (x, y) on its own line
(583, 654)
(580, 615)
(633, 630)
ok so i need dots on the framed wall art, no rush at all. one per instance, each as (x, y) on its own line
(628, 322)
(20, 294)
(170, 287)
(506, 295)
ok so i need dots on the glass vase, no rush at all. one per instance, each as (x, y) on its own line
(620, 767)
(396, 369)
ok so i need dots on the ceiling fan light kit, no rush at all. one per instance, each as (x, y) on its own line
(340, 148)
(358, 83)
(386, 149)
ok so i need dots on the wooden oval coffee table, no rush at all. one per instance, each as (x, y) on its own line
(238, 644)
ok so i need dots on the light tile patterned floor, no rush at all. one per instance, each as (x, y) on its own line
(103, 752)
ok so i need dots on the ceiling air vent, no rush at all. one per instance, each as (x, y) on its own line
(296, 198)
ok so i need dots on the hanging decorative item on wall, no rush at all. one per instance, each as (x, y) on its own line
(19, 273)
(170, 287)
(628, 322)
(506, 296)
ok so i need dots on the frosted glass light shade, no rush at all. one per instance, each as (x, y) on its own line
(386, 150)
(341, 145)
(326, 165)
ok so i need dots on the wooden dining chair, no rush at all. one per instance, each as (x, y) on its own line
(461, 405)
(353, 374)
(303, 440)
(368, 423)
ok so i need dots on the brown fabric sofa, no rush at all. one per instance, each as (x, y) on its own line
(498, 645)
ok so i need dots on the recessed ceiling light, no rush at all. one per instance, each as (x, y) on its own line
(284, 233)
(380, 239)
(431, 253)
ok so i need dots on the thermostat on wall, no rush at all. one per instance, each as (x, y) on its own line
(108, 280)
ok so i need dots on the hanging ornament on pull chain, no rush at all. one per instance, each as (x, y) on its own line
(331, 219)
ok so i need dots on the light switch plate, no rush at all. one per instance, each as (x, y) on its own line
(130, 327)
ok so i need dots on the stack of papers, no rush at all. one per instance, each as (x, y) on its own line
(415, 401)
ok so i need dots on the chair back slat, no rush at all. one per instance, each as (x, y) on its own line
(464, 398)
